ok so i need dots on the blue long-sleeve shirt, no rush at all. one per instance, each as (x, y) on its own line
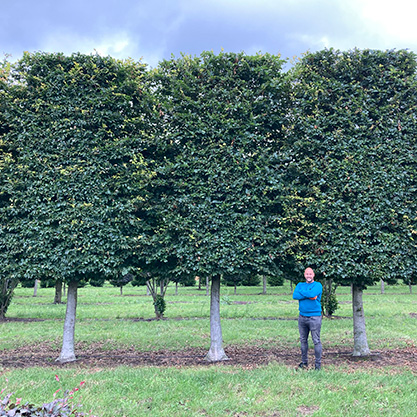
(303, 292)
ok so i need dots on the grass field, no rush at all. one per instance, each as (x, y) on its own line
(249, 319)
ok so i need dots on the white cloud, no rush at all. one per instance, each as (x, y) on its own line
(315, 41)
(155, 29)
(114, 46)
(118, 45)
(392, 22)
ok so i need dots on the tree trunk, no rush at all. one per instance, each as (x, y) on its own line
(121, 290)
(410, 287)
(216, 352)
(264, 284)
(382, 286)
(207, 286)
(158, 314)
(360, 342)
(7, 287)
(329, 284)
(35, 288)
(291, 285)
(67, 351)
(58, 292)
(64, 287)
(235, 292)
(152, 286)
(326, 296)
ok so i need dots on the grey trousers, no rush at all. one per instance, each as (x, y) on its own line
(311, 325)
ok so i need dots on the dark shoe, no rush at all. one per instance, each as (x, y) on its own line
(303, 365)
(317, 367)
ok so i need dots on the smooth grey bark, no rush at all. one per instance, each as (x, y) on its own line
(360, 342)
(35, 288)
(216, 352)
(382, 286)
(67, 351)
(176, 288)
(264, 284)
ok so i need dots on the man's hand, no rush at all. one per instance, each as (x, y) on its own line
(313, 298)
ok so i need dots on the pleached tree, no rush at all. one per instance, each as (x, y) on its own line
(214, 204)
(353, 169)
(75, 123)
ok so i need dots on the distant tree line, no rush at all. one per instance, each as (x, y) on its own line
(216, 166)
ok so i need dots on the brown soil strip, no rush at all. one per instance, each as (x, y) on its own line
(96, 355)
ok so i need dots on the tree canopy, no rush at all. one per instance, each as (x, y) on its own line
(354, 162)
(74, 128)
(217, 162)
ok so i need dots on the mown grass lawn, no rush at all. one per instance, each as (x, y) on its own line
(248, 318)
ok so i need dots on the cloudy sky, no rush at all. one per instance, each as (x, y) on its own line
(153, 30)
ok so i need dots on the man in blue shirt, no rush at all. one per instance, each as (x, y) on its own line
(308, 295)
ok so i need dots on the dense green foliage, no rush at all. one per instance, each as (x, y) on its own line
(9, 239)
(353, 145)
(160, 305)
(74, 129)
(215, 200)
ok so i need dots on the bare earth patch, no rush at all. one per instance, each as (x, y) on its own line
(98, 355)
(305, 411)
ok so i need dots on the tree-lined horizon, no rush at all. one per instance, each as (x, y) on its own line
(210, 166)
